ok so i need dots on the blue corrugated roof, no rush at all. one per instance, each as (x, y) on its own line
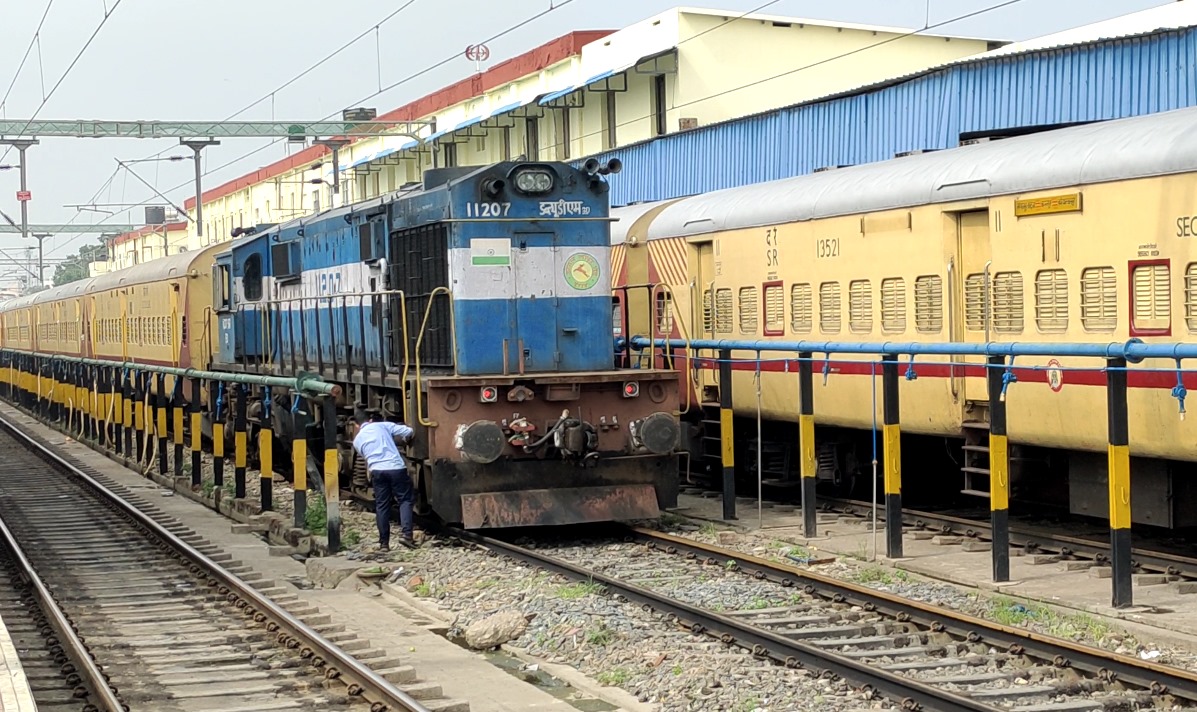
(1089, 82)
(469, 122)
(509, 107)
(557, 95)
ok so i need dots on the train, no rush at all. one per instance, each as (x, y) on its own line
(1084, 233)
(475, 306)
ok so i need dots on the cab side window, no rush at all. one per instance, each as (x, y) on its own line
(252, 280)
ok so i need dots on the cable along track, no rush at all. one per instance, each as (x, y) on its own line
(170, 629)
(918, 656)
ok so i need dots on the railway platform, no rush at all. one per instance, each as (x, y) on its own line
(15, 694)
(1164, 606)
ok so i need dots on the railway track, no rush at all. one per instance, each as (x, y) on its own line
(915, 655)
(169, 629)
(1032, 539)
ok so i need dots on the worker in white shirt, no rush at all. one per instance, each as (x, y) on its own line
(376, 442)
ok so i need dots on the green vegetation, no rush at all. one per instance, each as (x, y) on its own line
(879, 574)
(351, 537)
(614, 678)
(579, 590)
(600, 635)
(315, 519)
(1008, 611)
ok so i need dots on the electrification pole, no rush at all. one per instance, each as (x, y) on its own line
(198, 145)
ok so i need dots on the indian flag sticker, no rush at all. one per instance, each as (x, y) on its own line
(490, 252)
(581, 271)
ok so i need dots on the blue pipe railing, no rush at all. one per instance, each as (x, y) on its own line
(1134, 350)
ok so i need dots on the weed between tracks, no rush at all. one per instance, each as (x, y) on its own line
(1007, 611)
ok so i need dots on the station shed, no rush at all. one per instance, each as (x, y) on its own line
(1141, 63)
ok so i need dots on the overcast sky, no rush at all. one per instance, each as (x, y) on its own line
(207, 60)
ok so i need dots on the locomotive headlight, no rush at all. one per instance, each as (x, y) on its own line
(534, 180)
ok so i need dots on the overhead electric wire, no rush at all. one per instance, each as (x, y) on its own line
(95, 33)
(456, 55)
(33, 40)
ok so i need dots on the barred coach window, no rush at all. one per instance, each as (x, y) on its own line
(252, 280)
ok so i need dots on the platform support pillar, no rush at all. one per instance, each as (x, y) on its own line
(197, 434)
(299, 467)
(1120, 484)
(727, 443)
(176, 402)
(240, 442)
(332, 480)
(217, 401)
(893, 457)
(160, 425)
(266, 456)
(128, 398)
(999, 472)
(808, 463)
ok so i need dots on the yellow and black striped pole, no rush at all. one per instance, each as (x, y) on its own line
(139, 393)
(808, 463)
(266, 455)
(160, 424)
(197, 433)
(217, 402)
(727, 440)
(299, 466)
(893, 457)
(999, 473)
(1120, 483)
(126, 414)
(176, 402)
(332, 479)
(240, 442)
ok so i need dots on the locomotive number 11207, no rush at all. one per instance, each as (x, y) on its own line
(487, 210)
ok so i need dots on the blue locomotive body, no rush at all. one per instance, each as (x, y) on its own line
(478, 309)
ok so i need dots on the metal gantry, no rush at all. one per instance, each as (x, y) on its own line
(82, 128)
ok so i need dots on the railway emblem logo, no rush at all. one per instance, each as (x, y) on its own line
(581, 271)
(1055, 377)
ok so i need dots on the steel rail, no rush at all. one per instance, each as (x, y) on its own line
(101, 693)
(292, 631)
(912, 693)
(1031, 538)
(1160, 679)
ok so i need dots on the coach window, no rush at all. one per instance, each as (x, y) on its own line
(664, 314)
(723, 310)
(974, 301)
(252, 278)
(1099, 299)
(928, 304)
(860, 306)
(1151, 299)
(830, 318)
(1191, 296)
(1007, 302)
(775, 310)
(893, 305)
(708, 311)
(1051, 300)
(802, 309)
(748, 310)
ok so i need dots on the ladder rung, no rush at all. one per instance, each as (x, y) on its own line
(976, 448)
(975, 470)
(975, 425)
(975, 493)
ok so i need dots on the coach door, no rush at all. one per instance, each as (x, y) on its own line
(971, 279)
(704, 306)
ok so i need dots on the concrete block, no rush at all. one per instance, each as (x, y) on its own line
(727, 538)
(977, 546)
(1075, 565)
(942, 540)
(329, 572)
(827, 517)
(922, 535)
(281, 550)
(1150, 579)
(241, 529)
(1184, 587)
(1041, 559)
